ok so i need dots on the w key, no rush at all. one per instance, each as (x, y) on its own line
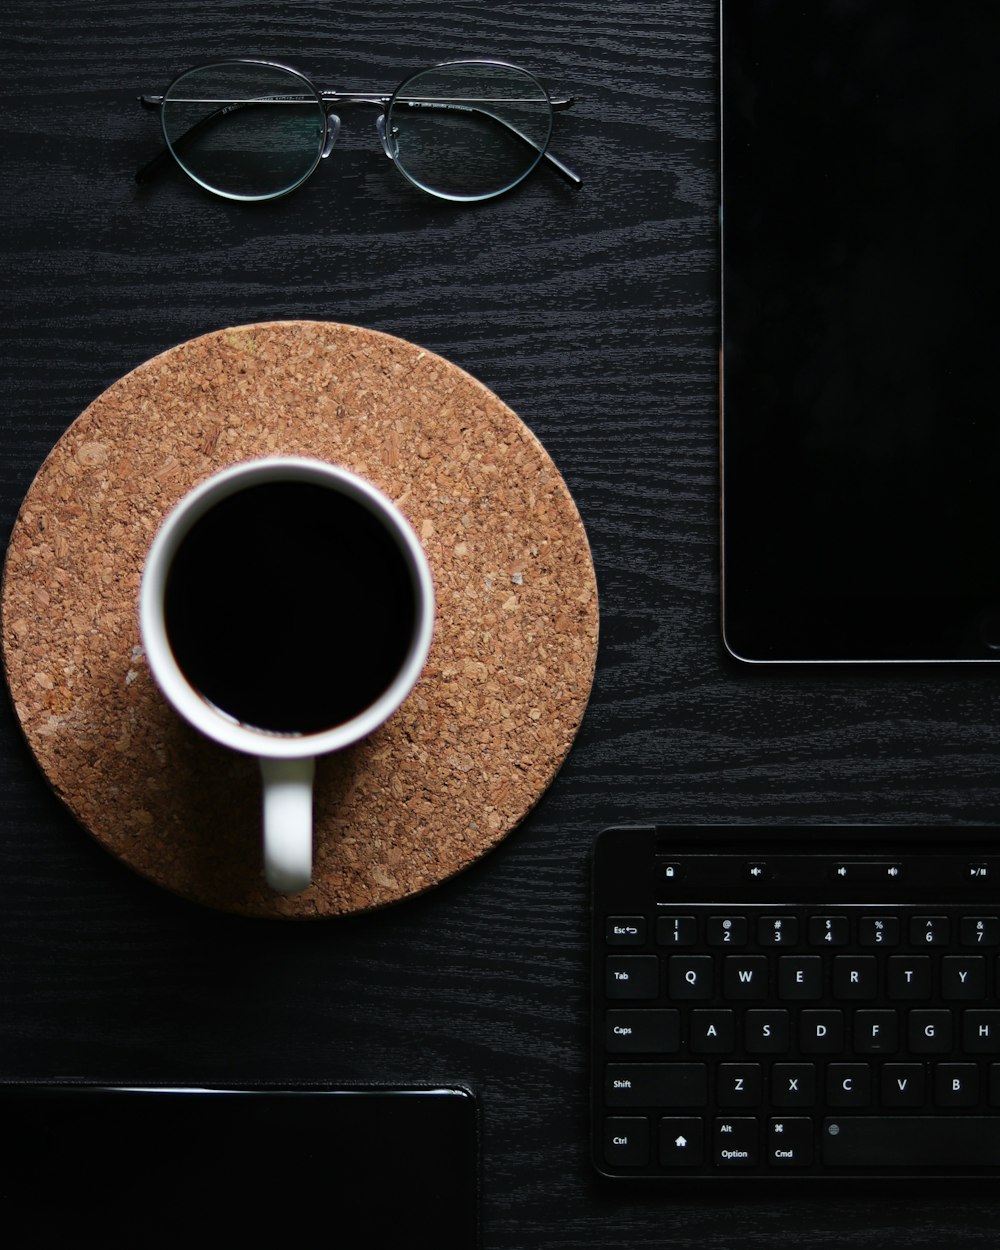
(744, 976)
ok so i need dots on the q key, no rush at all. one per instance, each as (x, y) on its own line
(690, 976)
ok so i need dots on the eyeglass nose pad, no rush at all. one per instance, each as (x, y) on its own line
(389, 144)
(332, 130)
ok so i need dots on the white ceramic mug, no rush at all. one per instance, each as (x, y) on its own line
(280, 591)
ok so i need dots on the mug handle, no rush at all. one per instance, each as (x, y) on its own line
(288, 823)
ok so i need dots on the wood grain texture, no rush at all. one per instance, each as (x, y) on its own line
(594, 315)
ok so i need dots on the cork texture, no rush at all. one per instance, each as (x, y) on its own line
(506, 685)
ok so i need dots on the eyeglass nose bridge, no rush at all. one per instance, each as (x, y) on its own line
(388, 138)
(332, 131)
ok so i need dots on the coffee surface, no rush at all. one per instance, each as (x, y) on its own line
(289, 607)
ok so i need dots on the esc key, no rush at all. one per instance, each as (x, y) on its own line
(625, 930)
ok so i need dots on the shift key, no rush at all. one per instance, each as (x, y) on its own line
(655, 1085)
(941, 1141)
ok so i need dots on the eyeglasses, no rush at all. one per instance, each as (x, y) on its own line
(255, 130)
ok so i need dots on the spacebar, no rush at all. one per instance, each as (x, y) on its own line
(874, 1141)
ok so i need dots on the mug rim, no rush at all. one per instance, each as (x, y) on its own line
(186, 699)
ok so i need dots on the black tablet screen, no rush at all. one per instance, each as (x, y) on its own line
(861, 330)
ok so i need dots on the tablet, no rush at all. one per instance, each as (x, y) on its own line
(860, 331)
(126, 1167)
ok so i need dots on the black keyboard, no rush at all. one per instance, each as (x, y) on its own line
(822, 1001)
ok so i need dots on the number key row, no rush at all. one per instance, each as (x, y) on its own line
(818, 930)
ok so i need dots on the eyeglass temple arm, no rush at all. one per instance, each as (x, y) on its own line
(571, 176)
(565, 102)
(152, 167)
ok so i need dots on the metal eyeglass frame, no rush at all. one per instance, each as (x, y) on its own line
(329, 100)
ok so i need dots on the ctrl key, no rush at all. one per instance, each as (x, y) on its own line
(626, 1141)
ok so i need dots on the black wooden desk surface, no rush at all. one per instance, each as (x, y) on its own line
(595, 316)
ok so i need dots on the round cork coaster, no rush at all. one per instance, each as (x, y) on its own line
(506, 685)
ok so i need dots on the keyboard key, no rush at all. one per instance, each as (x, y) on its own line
(744, 976)
(625, 931)
(793, 1084)
(739, 1085)
(828, 930)
(682, 1142)
(766, 1032)
(929, 931)
(855, 976)
(648, 1030)
(876, 1032)
(865, 872)
(956, 1084)
(878, 931)
(713, 1032)
(848, 1085)
(800, 977)
(981, 1032)
(790, 1142)
(736, 1142)
(632, 976)
(676, 930)
(777, 931)
(726, 931)
(656, 1084)
(626, 1141)
(945, 1141)
(909, 976)
(902, 1085)
(980, 931)
(821, 1032)
(963, 977)
(930, 1032)
(690, 976)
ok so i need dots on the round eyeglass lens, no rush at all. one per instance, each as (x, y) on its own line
(469, 130)
(245, 130)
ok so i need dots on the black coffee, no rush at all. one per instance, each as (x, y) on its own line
(289, 607)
